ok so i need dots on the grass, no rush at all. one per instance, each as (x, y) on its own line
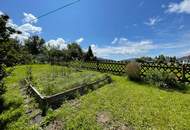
(50, 80)
(130, 104)
(13, 116)
(122, 103)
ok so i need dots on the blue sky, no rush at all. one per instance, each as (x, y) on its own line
(116, 29)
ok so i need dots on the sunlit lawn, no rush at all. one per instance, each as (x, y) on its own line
(135, 106)
(123, 104)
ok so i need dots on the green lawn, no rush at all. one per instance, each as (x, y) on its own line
(122, 104)
(13, 117)
(50, 80)
(129, 105)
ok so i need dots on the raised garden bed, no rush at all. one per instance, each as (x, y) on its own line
(56, 99)
(54, 84)
(57, 79)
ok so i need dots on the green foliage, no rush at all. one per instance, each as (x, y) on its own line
(2, 71)
(4, 30)
(13, 115)
(35, 45)
(56, 54)
(2, 88)
(163, 79)
(12, 53)
(74, 51)
(165, 59)
(144, 59)
(133, 71)
(3, 74)
(89, 56)
(160, 59)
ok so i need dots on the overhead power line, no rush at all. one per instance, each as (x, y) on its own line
(55, 10)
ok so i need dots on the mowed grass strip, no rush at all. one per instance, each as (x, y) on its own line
(125, 104)
(54, 79)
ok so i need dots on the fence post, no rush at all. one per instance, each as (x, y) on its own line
(183, 72)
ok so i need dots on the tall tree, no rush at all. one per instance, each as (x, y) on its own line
(89, 55)
(74, 51)
(5, 31)
(10, 50)
(160, 59)
(12, 53)
(35, 44)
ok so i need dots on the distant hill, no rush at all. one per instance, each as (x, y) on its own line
(184, 58)
(104, 59)
(129, 60)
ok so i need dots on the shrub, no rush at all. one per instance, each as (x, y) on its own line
(133, 71)
(3, 74)
(2, 87)
(163, 79)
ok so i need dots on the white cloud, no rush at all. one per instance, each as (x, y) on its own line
(185, 53)
(123, 41)
(29, 18)
(114, 41)
(1, 13)
(153, 21)
(11, 24)
(80, 40)
(59, 43)
(26, 28)
(182, 7)
(124, 47)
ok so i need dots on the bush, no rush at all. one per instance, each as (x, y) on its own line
(2, 76)
(2, 88)
(133, 71)
(163, 79)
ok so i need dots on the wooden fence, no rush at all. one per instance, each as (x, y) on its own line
(181, 71)
(118, 68)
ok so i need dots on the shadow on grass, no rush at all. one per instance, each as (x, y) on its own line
(6, 107)
(5, 122)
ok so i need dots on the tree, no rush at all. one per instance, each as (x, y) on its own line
(2, 75)
(160, 59)
(35, 45)
(89, 55)
(144, 59)
(74, 51)
(12, 53)
(57, 54)
(173, 59)
(5, 31)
